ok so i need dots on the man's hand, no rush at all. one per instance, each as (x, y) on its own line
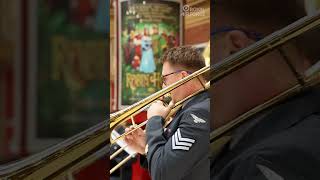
(136, 140)
(158, 109)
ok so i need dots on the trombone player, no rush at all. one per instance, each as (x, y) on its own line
(282, 142)
(179, 151)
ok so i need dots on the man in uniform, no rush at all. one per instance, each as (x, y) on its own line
(179, 151)
(280, 143)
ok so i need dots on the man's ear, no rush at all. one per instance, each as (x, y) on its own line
(238, 40)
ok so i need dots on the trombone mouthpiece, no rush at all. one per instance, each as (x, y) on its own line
(166, 99)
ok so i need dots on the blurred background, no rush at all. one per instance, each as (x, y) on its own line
(54, 62)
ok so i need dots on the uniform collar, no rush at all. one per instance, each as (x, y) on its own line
(197, 98)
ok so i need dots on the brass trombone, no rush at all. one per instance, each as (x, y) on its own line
(168, 119)
(229, 65)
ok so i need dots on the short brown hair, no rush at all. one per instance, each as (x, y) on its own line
(185, 56)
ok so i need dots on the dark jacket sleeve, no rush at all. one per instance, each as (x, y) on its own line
(250, 169)
(258, 168)
(173, 158)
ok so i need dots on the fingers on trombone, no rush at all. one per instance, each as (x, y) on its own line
(131, 127)
(128, 139)
(158, 102)
(171, 104)
(134, 131)
(140, 132)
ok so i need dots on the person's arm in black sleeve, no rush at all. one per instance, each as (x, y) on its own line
(173, 158)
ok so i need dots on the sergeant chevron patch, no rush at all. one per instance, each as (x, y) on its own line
(181, 143)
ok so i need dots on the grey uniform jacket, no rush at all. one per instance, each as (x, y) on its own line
(181, 150)
(280, 144)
